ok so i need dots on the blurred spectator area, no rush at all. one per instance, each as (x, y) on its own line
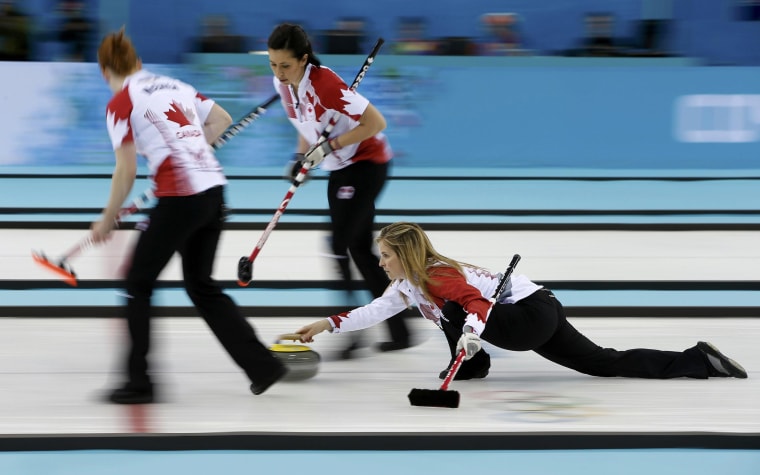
(15, 32)
(217, 37)
(75, 31)
(503, 36)
(650, 36)
(748, 10)
(717, 32)
(412, 37)
(346, 37)
(602, 37)
(49, 30)
(456, 46)
(599, 37)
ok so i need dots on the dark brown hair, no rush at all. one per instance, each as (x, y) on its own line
(293, 38)
(117, 53)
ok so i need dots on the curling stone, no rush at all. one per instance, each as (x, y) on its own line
(301, 361)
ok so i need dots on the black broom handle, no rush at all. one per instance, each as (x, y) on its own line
(499, 288)
(506, 276)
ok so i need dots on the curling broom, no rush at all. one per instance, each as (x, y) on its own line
(443, 397)
(245, 264)
(61, 266)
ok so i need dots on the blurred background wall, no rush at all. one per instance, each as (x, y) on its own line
(624, 84)
(530, 113)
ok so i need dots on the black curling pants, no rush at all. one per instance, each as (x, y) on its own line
(351, 194)
(190, 225)
(538, 323)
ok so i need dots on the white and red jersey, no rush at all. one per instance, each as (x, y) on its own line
(321, 93)
(164, 118)
(472, 291)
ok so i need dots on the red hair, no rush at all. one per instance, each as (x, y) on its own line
(117, 53)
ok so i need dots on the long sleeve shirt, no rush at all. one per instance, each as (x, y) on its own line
(473, 291)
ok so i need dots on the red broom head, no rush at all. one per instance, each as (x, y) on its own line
(67, 275)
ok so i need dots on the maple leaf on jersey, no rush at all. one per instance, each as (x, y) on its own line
(178, 115)
(319, 109)
(354, 104)
(117, 128)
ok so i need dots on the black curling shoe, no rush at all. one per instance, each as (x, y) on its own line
(720, 365)
(475, 368)
(261, 386)
(393, 346)
(130, 395)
